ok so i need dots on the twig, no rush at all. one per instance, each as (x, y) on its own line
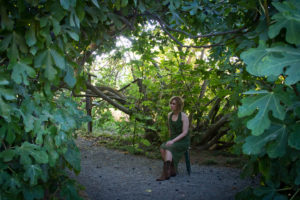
(123, 19)
(295, 194)
(126, 86)
(267, 11)
(3, 144)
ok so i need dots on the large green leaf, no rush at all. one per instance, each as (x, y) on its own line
(263, 61)
(66, 121)
(47, 59)
(264, 103)
(17, 46)
(21, 71)
(255, 145)
(288, 18)
(35, 151)
(32, 172)
(59, 60)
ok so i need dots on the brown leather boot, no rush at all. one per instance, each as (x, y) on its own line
(173, 170)
(163, 174)
(168, 169)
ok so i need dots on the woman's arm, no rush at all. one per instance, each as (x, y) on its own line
(185, 130)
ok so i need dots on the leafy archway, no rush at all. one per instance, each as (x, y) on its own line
(45, 46)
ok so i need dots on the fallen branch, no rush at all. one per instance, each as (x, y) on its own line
(108, 99)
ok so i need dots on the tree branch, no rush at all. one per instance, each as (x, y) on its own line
(166, 28)
(108, 99)
(214, 140)
(210, 132)
(126, 86)
(199, 36)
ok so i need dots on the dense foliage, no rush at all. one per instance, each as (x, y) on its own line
(46, 50)
(272, 107)
(37, 121)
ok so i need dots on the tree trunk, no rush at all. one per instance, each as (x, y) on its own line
(88, 106)
(212, 131)
(214, 140)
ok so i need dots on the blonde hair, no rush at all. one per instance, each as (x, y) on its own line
(179, 101)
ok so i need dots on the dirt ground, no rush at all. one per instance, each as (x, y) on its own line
(112, 174)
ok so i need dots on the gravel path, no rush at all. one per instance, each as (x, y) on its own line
(112, 175)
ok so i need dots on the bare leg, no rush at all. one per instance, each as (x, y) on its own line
(168, 156)
(163, 154)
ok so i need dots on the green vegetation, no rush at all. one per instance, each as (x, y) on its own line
(235, 62)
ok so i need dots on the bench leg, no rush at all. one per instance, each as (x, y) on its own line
(187, 161)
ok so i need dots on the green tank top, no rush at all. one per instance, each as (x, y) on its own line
(176, 129)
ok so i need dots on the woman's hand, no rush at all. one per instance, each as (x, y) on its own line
(169, 143)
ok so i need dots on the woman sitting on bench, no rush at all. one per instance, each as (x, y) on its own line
(172, 150)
